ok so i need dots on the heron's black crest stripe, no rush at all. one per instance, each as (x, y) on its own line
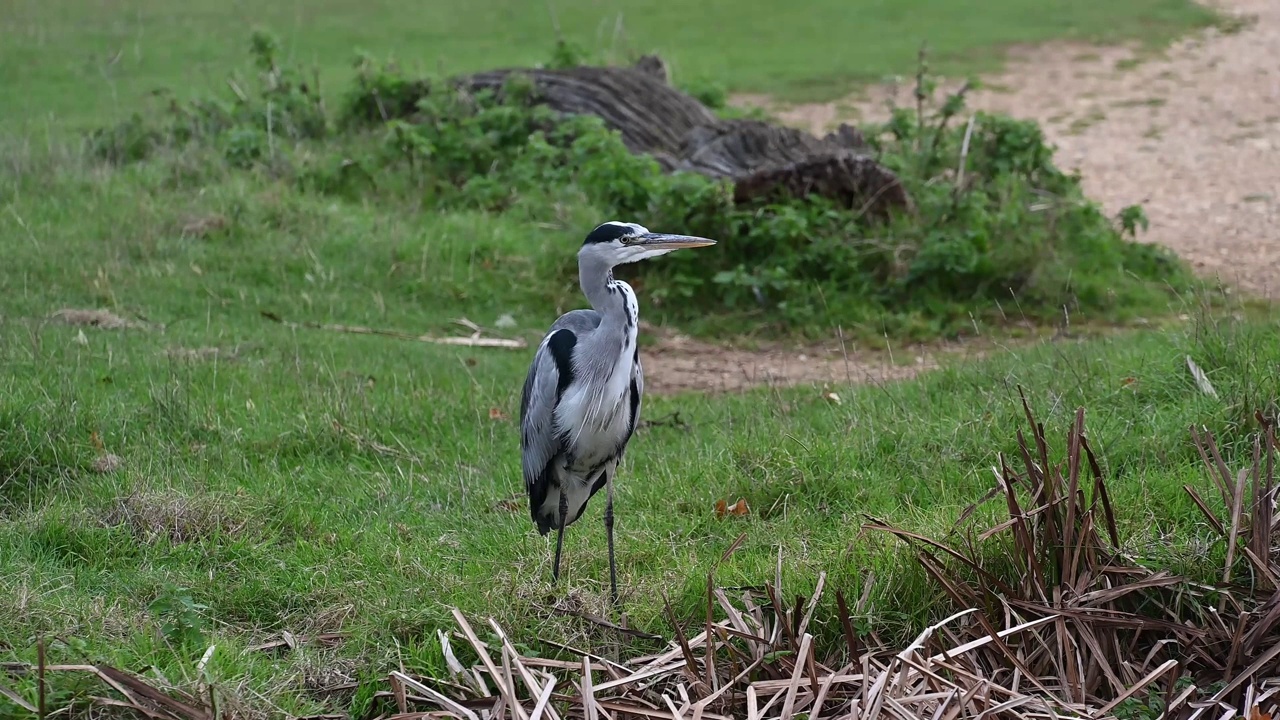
(561, 347)
(607, 232)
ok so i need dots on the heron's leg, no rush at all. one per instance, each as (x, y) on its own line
(564, 516)
(608, 527)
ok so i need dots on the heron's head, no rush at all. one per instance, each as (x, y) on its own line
(617, 243)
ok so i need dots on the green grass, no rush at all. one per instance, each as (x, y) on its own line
(319, 482)
(92, 67)
(312, 481)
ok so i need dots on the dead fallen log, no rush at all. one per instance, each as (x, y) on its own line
(763, 160)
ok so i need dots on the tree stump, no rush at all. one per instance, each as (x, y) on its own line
(764, 161)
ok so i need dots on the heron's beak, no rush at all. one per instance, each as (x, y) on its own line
(664, 241)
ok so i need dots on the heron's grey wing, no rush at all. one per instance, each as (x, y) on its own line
(549, 374)
(539, 440)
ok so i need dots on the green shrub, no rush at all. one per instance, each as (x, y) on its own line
(380, 94)
(1012, 230)
(283, 106)
(998, 230)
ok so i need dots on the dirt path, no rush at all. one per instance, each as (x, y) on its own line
(679, 363)
(1193, 135)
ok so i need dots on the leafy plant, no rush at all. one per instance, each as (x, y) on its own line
(1131, 218)
(566, 55)
(182, 622)
(381, 92)
(709, 93)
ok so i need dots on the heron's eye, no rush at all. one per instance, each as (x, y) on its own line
(628, 239)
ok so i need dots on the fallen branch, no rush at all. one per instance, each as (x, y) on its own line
(596, 619)
(474, 340)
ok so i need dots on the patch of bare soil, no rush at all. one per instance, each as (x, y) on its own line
(1193, 134)
(678, 363)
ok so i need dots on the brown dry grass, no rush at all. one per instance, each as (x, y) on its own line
(162, 514)
(202, 354)
(101, 319)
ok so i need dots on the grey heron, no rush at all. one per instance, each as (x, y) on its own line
(581, 398)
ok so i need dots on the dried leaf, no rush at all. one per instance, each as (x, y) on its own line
(472, 341)
(108, 463)
(1202, 380)
(497, 414)
(738, 508)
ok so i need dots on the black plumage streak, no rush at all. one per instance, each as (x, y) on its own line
(607, 232)
(538, 492)
(561, 346)
(635, 411)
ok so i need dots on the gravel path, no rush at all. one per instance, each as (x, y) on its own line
(1193, 135)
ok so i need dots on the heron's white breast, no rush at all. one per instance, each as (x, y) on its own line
(597, 415)
(620, 380)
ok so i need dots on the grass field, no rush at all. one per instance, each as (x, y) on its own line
(95, 64)
(275, 479)
(314, 483)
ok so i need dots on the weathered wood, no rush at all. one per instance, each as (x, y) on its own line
(763, 160)
(651, 116)
(768, 161)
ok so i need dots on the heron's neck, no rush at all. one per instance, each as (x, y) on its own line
(596, 279)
